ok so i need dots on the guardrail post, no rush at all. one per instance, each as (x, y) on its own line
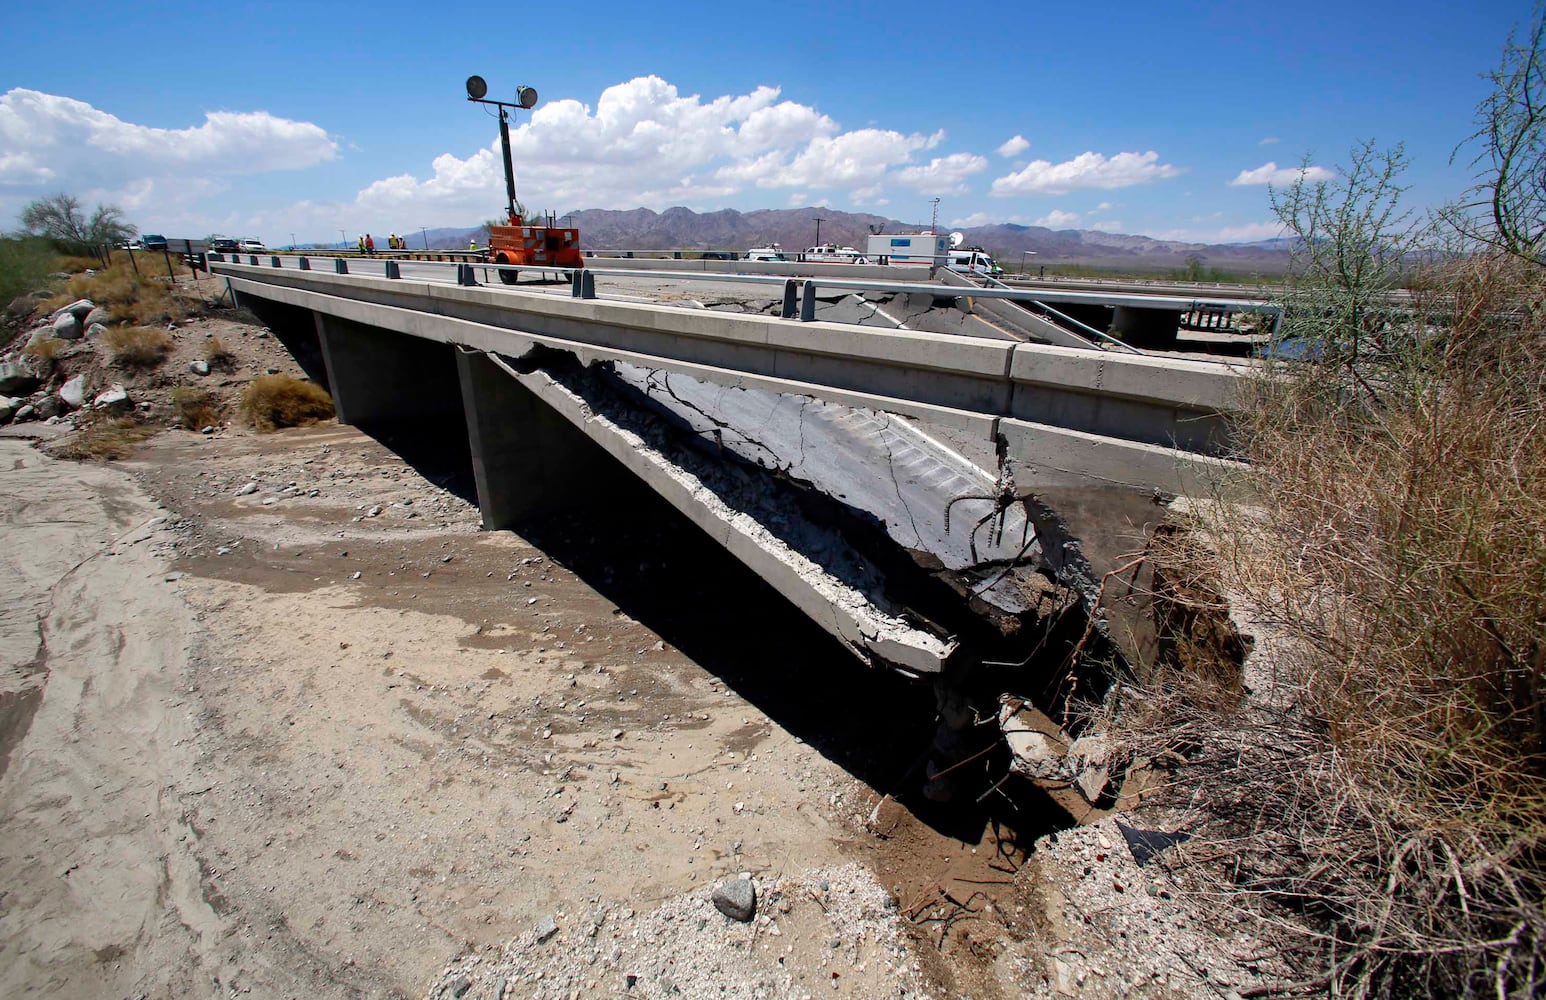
(392, 270)
(465, 275)
(305, 264)
(341, 265)
(273, 261)
(791, 300)
(252, 259)
(808, 302)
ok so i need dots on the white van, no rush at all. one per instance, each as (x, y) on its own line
(771, 252)
(973, 261)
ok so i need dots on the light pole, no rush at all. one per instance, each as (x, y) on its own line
(819, 221)
(525, 100)
(425, 235)
(343, 239)
(292, 241)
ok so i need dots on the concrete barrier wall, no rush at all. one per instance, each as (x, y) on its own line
(971, 384)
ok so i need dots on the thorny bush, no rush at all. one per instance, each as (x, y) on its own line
(1378, 789)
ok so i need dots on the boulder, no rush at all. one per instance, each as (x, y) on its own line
(48, 406)
(97, 315)
(737, 899)
(26, 412)
(22, 305)
(199, 367)
(19, 376)
(73, 392)
(80, 309)
(8, 407)
(95, 330)
(67, 327)
(114, 398)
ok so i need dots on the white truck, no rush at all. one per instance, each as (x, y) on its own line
(913, 249)
(974, 260)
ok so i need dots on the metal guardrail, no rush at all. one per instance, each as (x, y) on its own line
(799, 298)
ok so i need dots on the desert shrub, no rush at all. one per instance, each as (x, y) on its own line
(1385, 784)
(44, 348)
(137, 346)
(275, 401)
(217, 353)
(103, 440)
(195, 408)
(71, 264)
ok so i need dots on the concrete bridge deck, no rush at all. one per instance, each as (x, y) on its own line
(833, 459)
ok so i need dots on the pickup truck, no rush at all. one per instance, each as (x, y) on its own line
(253, 246)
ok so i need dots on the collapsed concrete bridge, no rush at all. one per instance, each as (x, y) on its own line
(925, 498)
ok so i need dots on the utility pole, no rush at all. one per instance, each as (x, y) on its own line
(424, 234)
(934, 218)
(292, 241)
(819, 221)
(343, 239)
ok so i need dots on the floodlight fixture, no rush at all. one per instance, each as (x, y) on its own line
(526, 97)
(477, 88)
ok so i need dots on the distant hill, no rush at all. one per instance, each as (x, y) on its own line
(795, 229)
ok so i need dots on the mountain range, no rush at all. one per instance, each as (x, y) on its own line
(795, 228)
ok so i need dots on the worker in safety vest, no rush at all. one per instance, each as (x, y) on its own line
(360, 242)
(472, 244)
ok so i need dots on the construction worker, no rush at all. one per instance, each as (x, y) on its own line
(370, 244)
(472, 244)
(360, 242)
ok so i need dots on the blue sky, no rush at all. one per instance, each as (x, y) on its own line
(265, 120)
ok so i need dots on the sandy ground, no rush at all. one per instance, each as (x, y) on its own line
(287, 746)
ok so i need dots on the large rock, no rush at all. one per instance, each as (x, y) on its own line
(8, 407)
(19, 376)
(114, 399)
(26, 412)
(737, 899)
(97, 315)
(80, 309)
(67, 326)
(73, 392)
(199, 367)
(48, 406)
(95, 330)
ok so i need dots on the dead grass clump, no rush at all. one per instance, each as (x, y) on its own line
(217, 354)
(128, 297)
(275, 401)
(44, 348)
(1389, 786)
(137, 346)
(104, 440)
(195, 409)
(72, 265)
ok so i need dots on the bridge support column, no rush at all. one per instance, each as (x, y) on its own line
(1147, 327)
(526, 459)
(378, 377)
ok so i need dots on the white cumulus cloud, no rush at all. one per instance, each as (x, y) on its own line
(1087, 171)
(1058, 219)
(52, 143)
(1014, 147)
(1271, 173)
(943, 174)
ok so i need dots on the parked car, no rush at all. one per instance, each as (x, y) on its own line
(153, 241)
(253, 246)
